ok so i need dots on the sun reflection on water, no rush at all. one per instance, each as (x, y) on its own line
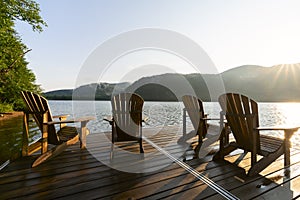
(290, 113)
(285, 114)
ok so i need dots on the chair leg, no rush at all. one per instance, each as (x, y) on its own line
(224, 140)
(25, 135)
(141, 146)
(141, 138)
(83, 133)
(287, 161)
(225, 151)
(198, 147)
(112, 141)
(253, 158)
(112, 151)
(286, 150)
(264, 162)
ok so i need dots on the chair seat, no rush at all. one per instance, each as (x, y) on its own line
(269, 144)
(67, 133)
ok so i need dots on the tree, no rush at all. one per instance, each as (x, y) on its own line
(14, 74)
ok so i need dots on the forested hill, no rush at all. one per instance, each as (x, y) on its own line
(278, 83)
(102, 91)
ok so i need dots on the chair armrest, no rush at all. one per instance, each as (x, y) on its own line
(288, 130)
(278, 128)
(205, 118)
(61, 118)
(81, 119)
(110, 119)
(64, 116)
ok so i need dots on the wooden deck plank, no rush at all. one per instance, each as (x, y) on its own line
(180, 184)
(78, 174)
(269, 182)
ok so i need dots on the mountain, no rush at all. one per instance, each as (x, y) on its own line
(97, 91)
(277, 83)
(283, 83)
(174, 86)
(59, 94)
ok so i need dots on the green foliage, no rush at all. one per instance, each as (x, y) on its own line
(23, 10)
(14, 74)
(5, 108)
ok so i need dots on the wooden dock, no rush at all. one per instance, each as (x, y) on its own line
(85, 174)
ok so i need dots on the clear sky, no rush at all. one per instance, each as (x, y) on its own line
(232, 32)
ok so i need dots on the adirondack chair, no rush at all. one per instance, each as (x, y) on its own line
(38, 107)
(126, 120)
(194, 108)
(242, 120)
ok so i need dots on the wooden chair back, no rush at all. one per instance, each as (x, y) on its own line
(242, 116)
(38, 106)
(127, 115)
(194, 108)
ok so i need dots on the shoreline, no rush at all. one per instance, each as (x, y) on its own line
(10, 115)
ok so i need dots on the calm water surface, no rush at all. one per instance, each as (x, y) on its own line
(170, 113)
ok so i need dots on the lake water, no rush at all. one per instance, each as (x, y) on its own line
(170, 113)
(159, 114)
